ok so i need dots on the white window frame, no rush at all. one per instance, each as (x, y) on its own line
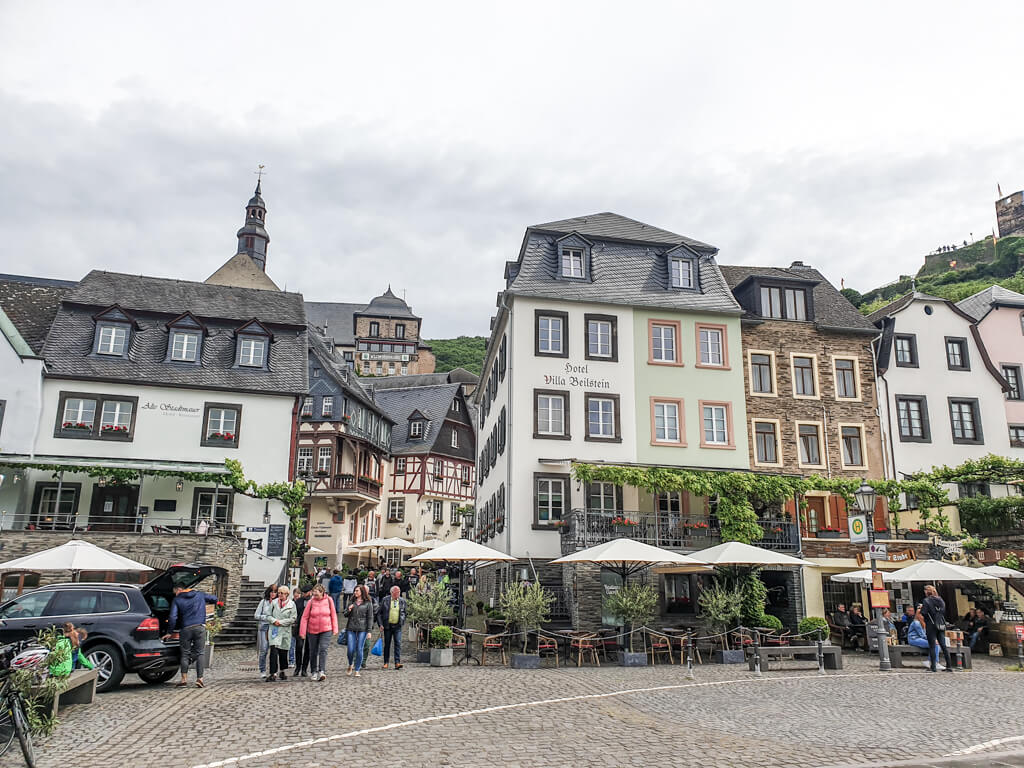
(327, 406)
(455, 438)
(711, 332)
(658, 332)
(112, 340)
(416, 428)
(400, 465)
(550, 428)
(676, 272)
(599, 338)
(550, 484)
(247, 352)
(671, 411)
(304, 461)
(222, 420)
(715, 408)
(188, 350)
(80, 411)
(572, 265)
(546, 336)
(324, 456)
(121, 415)
(605, 415)
(307, 407)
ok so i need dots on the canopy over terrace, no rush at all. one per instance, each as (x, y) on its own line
(627, 556)
(466, 552)
(937, 570)
(75, 556)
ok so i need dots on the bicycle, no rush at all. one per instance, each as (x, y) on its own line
(13, 721)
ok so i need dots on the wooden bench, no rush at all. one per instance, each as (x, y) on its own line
(896, 654)
(80, 688)
(832, 654)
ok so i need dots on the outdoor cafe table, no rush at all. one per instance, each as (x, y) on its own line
(469, 646)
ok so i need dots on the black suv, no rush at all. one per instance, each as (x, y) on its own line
(125, 621)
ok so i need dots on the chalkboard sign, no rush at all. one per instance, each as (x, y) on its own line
(275, 541)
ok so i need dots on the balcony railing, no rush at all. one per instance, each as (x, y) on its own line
(583, 528)
(351, 483)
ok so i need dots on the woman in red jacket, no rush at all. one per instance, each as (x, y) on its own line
(319, 622)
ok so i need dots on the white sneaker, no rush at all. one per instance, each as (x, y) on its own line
(926, 664)
(940, 668)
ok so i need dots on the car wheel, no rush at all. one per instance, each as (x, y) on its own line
(108, 664)
(155, 678)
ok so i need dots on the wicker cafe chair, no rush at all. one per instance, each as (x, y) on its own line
(774, 638)
(659, 644)
(584, 645)
(494, 644)
(547, 646)
(458, 641)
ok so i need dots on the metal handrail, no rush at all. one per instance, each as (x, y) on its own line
(142, 524)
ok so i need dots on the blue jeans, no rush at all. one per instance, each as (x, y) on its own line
(336, 597)
(355, 642)
(291, 651)
(924, 644)
(262, 645)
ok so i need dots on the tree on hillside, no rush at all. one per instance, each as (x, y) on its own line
(462, 352)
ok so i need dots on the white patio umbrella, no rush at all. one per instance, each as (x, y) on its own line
(937, 570)
(75, 556)
(1001, 572)
(627, 556)
(466, 552)
(737, 553)
(863, 576)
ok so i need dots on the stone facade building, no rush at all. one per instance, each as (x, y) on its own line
(1010, 214)
(381, 338)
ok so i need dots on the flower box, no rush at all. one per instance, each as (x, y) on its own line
(227, 437)
(441, 657)
(76, 426)
(916, 535)
(829, 534)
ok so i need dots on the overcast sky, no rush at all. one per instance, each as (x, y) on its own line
(411, 144)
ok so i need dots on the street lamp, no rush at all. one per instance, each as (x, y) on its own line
(865, 497)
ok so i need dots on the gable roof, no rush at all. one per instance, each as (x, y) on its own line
(335, 319)
(159, 294)
(241, 271)
(10, 332)
(30, 304)
(338, 371)
(454, 376)
(613, 226)
(983, 302)
(624, 269)
(151, 302)
(432, 402)
(832, 310)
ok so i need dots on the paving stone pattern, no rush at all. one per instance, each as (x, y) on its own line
(725, 717)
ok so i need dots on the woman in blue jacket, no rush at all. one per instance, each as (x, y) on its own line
(917, 637)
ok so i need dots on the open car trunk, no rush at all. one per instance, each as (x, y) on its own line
(159, 592)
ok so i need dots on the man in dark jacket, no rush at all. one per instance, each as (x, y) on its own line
(390, 619)
(934, 611)
(401, 582)
(188, 616)
(301, 659)
(334, 588)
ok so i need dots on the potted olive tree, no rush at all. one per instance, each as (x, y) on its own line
(636, 605)
(441, 646)
(425, 610)
(722, 607)
(526, 607)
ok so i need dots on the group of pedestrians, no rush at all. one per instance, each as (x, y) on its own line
(295, 628)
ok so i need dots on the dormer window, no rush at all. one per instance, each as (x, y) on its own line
(416, 430)
(251, 352)
(783, 303)
(184, 346)
(572, 262)
(111, 339)
(681, 272)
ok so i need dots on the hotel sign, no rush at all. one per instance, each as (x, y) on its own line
(173, 409)
(384, 356)
(575, 375)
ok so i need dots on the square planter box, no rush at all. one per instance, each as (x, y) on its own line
(441, 657)
(729, 657)
(829, 534)
(525, 661)
(423, 656)
(632, 659)
(625, 531)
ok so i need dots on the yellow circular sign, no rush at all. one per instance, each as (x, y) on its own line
(858, 526)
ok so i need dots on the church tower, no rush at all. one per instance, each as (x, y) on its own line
(248, 267)
(252, 237)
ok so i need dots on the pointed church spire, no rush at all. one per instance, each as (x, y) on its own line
(253, 238)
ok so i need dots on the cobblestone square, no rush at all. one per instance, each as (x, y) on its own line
(608, 716)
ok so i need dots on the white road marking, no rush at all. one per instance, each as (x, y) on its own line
(502, 707)
(984, 745)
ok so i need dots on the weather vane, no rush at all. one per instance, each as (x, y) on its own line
(259, 172)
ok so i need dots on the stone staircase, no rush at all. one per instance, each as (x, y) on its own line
(240, 630)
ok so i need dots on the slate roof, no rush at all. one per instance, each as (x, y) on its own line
(31, 305)
(895, 306)
(454, 376)
(632, 273)
(831, 309)
(983, 302)
(335, 318)
(158, 294)
(337, 369)
(152, 302)
(388, 305)
(433, 402)
(612, 226)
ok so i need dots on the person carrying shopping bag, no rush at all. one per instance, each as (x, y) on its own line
(319, 622)
(360, 620)
(281, 617)
(263, 627)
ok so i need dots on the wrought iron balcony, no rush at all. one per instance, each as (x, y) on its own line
(583, 528)
(343, 485)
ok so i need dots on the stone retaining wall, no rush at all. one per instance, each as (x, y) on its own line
(156, 550)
